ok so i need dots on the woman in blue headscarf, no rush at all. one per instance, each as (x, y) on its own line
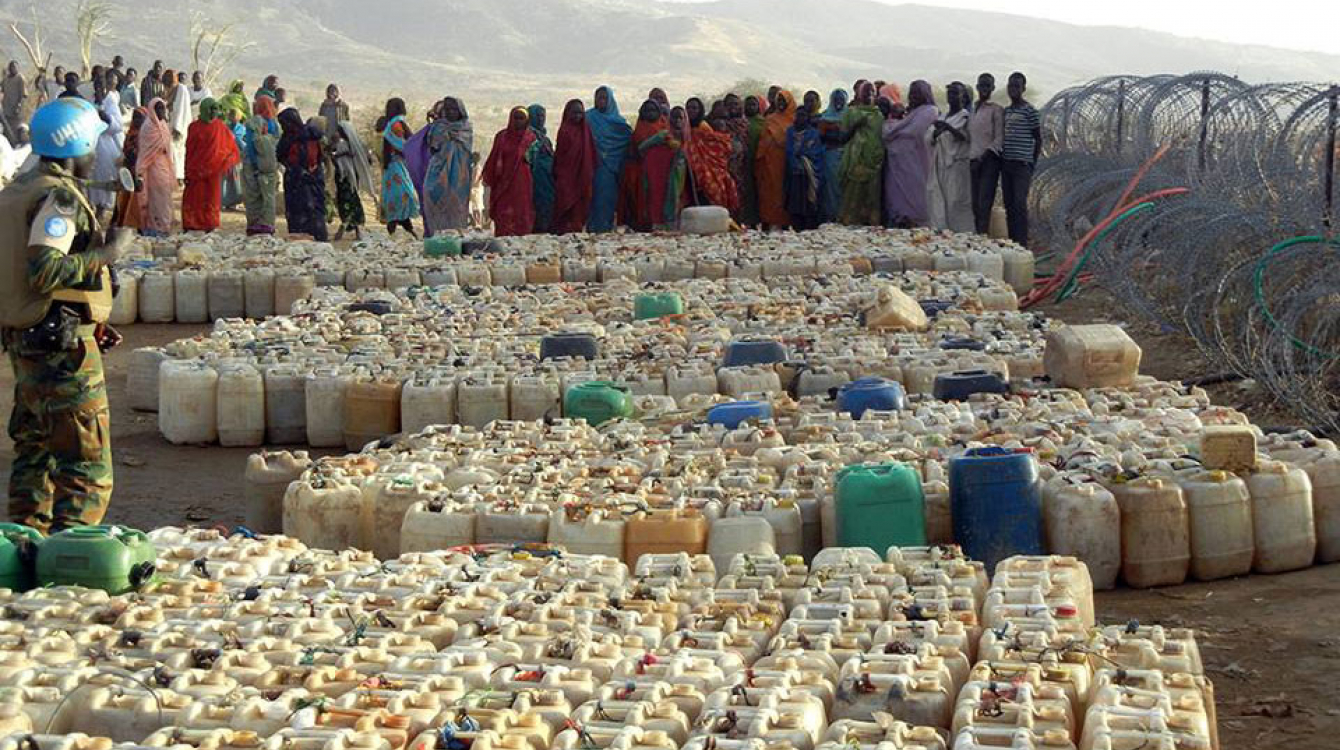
(541, 158)
(830, 129)
(612, 134)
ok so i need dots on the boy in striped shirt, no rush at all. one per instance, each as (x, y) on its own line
(1022, 147)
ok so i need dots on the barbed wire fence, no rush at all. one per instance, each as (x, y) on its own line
(1208, 206)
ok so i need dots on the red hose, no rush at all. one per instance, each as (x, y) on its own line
(1043, 288)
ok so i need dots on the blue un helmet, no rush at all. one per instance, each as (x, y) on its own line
(66, 129)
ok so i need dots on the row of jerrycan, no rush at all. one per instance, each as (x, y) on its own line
(194, 295)
(926, 695)
(1161, 528)
(239, 404)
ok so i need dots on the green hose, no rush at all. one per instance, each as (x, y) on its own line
(1071, 284)
(1260, 294)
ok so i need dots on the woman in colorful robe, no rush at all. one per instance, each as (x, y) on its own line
(156, 172)
(770, 162)
(304, 176)
(862, 160)
(709, 155)
(507, 173)
(211, 152)
(541, 158)
(574, 170)
(611, 135)
(260, 167)
(450, 143)
(804, 172)
(400, 201)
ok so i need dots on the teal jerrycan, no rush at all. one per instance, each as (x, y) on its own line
(18, 544)
(880, 506)
(651, 305)
(111, 558)
(597, 402)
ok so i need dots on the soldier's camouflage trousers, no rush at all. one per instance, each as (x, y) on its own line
(62, 473)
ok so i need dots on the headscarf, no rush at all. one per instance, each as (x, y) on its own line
(609, 130)
(837, 104)
(532, 111)
(776, 123)
(923, 90)
(298, 135)
(266, 108)
(354, 164)
(892, 92)
(235, 101)
(574, 159)
(209, 110)
(509, 153)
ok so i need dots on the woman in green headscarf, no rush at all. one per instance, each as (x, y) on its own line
(753, 111)
(210, 152)
(236, 100)
(541, 158)
(862, 160)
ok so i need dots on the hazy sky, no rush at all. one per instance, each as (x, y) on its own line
(1295, 24)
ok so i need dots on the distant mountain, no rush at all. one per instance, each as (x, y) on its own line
(498, 52)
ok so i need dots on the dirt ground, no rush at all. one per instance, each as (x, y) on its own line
(1270, 643)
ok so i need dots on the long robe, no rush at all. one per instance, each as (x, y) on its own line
(353, 176)
(541, 158)
(770, 164)
(646, 175)
(511, 189)
(611, 135)
(909, 166)
(232, 182)
(709, 155)
(157, 174)
(400, 201)
(740, 171)
(260, 168)
(107, 153)
(950, 191)
(179, 117)
(128, 204)
(446, 182)
(211, 152)
(304, 176)
(574, 175)
(830, 129)
(862, 165)
(804, 177)
(749, 205)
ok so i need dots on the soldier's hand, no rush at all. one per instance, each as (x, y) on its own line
(115, 243)
(107, 337)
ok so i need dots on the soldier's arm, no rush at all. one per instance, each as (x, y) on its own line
(51, 265)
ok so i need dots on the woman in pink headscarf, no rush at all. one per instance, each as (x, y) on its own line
(156, 172)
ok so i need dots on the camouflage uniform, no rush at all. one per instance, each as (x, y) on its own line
(62, 471)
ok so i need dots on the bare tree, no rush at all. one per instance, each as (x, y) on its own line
(33, 44)
(92, 20)
(214, 47)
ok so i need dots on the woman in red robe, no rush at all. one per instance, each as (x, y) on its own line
(647, 170)
(770, 162)
(211, 151)
(574, 170)
(709, 155)
(511, 198)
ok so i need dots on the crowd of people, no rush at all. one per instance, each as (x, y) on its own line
(873, 157)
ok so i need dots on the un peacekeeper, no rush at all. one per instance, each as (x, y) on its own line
(55, 296)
